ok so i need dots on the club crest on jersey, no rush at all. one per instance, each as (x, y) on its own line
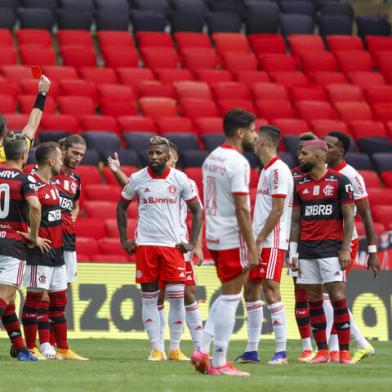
(172, 189)
(139, 274)
(328, 190)
(42, 279)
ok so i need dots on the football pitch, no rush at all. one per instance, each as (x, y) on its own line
(120, 365)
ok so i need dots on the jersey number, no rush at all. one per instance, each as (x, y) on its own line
(211, 205)
(5, 200)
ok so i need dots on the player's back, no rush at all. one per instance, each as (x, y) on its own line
(225, 172)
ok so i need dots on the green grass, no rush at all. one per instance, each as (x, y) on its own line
(119, 365)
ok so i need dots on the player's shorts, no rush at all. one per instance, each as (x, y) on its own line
(190, 279)
(159, 263)
(71, 264)
(43, 277)
(293, 274)
(270, 267)
(229, 263)
(319, 271)
(11, 271)
(354, 247)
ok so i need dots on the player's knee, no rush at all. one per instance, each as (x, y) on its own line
(189, 297)
(271, 291)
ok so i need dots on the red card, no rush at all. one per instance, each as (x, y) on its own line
(36, 71)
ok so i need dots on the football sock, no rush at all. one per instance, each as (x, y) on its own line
(57, 303)
(29, 317)
(223, 327)
(342, 323)
(328, 310)
(254, 324)
(302, 317)
(3, 306)
(194, 323)
(43, 322)
(12, 326)
(162, 320)
(356, 334)
(176, 318)
(208, 331)
(278, 318)
(151, 318)
(319, 324)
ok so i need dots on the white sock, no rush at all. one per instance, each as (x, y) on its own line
(194, 323)
(224, 320)
(208, 331)
(307, 344)
(175, 296)
(356, 334)
(150, 317)
(328, 310)
(161, 311)
(278, 318)
(254, 324)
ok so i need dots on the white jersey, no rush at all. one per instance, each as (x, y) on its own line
(357, 183)
(159, 208)
(275, 180)
(225, 172)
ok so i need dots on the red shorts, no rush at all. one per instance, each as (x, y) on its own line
(229, 263)
(189, 276)
(154, 263)
(270, 267)
(354, 247)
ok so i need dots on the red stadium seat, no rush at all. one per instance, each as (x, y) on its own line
(8, 104)
(196, 175)
(89, 174)
(94, 228)
(366, 79)
(100, 192)
(78, 56)
(379, 196)
(115, 38)
(111, 246)
(386, 176)
(120, 57)
(275, 62)
(354, 61)
(16, 122)
(354, 111)
(250, 77)
(267, 43)
(199, 58)
(300, 43)
(59, 73)
(344, 42)
(362, 129)
(100, 209)
(35, 37)
(11, 87)
(60, 122)
(344, 92)
(163, 57)
(158, 107)
(109, 176)
(136, 123)
(380, 93)
(324, 78)
(76, 105)
(312, 110)
(175, 125)
(98, 123)
(230, 90)
(78, 87)
(307, 93)
(269, 91)
(112, 258)
(174, 75)
(377, 44)
(125, 107)
(383, 111)
(6, 38)
(155, 88)
(132, 76)
(87, 246)
(29, 87)
(278, 108)
(192, 40)
(192, 89)
(75, 38)
(26, 103)
(289, 78)
(384, 64)
(225, 105)
(230, 42)
(8, 56)
(195, 108)
(206, 125)
(322, 127)
(111, 228)
(16, 72)
(154, 39)
(318, 61)
(372, 180)
(115, 92)
(291, 126)
(238, 61)
(211, 76)
(98, 75)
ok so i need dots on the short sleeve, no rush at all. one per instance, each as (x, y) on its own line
(188, 191)
(346, 193)
(29, 187)
(129, 190)
(240, 178)
(281, 182)
(359, 188)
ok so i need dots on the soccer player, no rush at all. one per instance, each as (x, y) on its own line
(338, 145)
(271, 228)
(321, 232)
(20, 207)
(46, 271)
(158, 245)
(226, 174)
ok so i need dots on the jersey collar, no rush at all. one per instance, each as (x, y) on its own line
(228, 147)
(271, 162)
(341, 166)
(323, 177)
(164, 175)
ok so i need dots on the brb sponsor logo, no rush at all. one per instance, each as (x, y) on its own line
(54, 216)
(316, 210)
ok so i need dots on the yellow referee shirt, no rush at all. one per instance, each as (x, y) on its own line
(2, 153)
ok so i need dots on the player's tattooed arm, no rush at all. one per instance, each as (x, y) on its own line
(114, 165)
(348, 227)
(122, 224)
(364, 211)
(294, 238)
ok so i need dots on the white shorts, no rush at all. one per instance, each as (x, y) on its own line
(43, 277)
(319, 271)
(11, 271)
(290, 272)
(71, 263)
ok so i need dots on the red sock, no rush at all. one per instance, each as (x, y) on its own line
(342, 323)
(29, 317)
(319, 324)
(12, 326)
(302, 312)
(3, 306)
(43, 322)
(52, 336)
(57, 303)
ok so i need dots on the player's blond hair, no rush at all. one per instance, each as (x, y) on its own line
(159, 141)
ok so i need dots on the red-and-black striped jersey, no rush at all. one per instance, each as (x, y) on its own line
(15, 186)
(50, 227)
(297, 172)
(321, 233)
(69, 189)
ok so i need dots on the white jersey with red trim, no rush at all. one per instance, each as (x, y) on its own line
(159, 208)
(275, 180)
(358, 184)
(225, 172)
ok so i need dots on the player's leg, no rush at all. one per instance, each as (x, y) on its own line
(44, 328)
(332, 337)
(162, 316)
(192, 315)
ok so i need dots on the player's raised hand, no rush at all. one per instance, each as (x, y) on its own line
(184, 247)
(253, 258)
(293, 264)
(344, 258)
(373, 264)
(129, 246)
(43, 84)
(114, 163)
